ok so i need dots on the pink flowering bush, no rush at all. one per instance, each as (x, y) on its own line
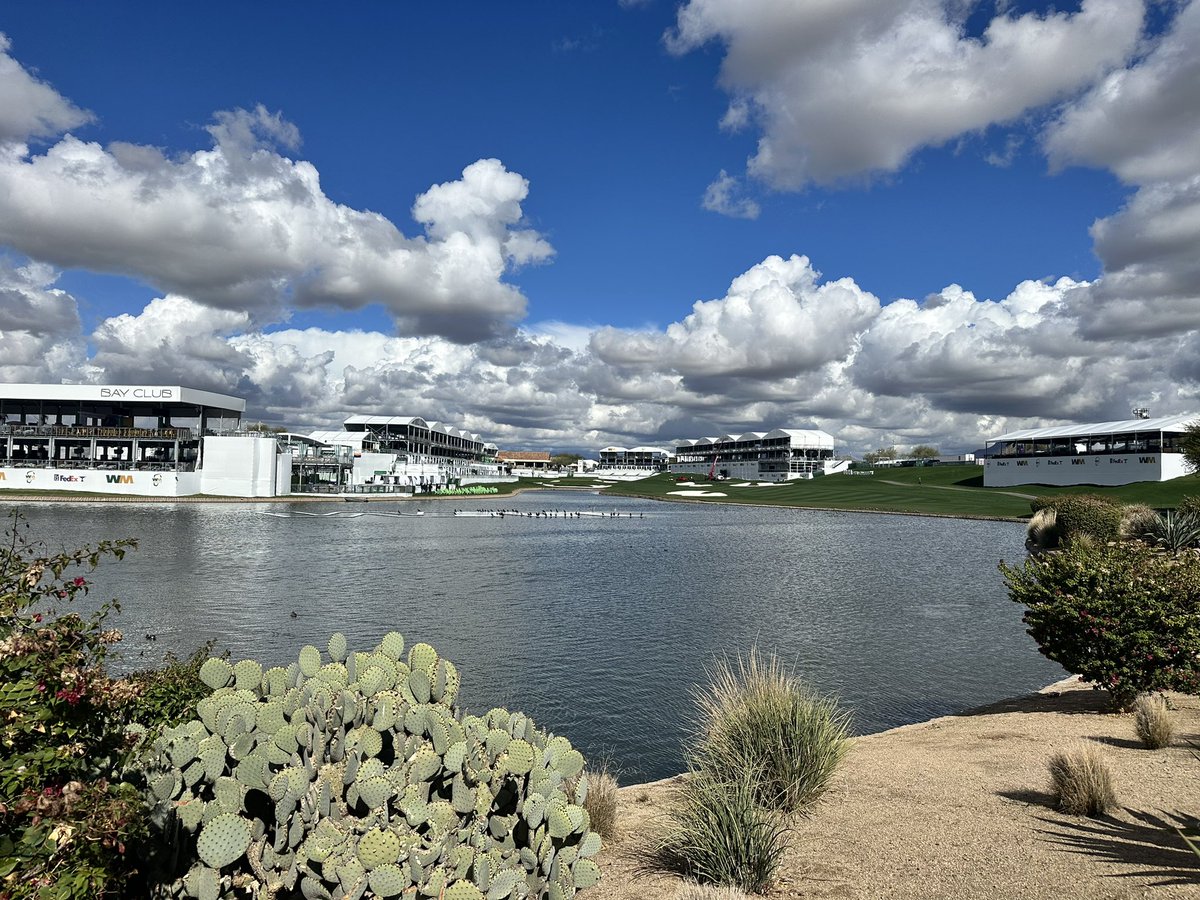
(69, 808)
(1123, 616)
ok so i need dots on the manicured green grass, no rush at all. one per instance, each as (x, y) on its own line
(931, 490)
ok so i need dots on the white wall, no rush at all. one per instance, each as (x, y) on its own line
(103, 481)
(241, 466)
(1101, 469)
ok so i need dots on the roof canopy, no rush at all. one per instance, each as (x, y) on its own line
(1124, 426)
(123, 395)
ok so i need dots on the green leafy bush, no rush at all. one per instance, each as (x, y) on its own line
(1124, 617)
(1087, 516)
(756, 717)
(68, 813)
(169, 694)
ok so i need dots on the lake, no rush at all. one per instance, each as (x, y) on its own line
(597, 627)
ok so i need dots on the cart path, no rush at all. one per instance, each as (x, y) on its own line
(951, 487)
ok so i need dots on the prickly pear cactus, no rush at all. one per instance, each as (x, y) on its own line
(354, 775)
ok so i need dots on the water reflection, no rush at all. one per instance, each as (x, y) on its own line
(595, 627)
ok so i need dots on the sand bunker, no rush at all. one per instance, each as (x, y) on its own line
(697, 494)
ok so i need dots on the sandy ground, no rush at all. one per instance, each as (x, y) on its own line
(958, 807)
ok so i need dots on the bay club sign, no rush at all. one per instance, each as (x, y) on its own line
(137, 393)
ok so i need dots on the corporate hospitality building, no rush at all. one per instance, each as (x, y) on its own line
(784, 454)
(1101, 453)
(149, 440)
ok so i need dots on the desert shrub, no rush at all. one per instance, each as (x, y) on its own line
(350, 771)
(718, 833)
(756, 717)
(1136, 520)
(1152, 721)
(70, 812)
(1080, 781)
(169, 694)
(1120, 616)
(1087, 515)
(602, 803)
(1173, 531)
(1189, 504)
(710, 892)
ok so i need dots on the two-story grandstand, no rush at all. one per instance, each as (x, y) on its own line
(408, 452)
(784, 454)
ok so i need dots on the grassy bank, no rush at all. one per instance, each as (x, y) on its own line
(935, 490)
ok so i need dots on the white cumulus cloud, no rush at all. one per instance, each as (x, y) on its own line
(844, 88)
(29, 107)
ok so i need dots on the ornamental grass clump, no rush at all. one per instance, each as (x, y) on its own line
(710, 892)
(601, 802)
(1152, 721)
(756, 717)
(1042, 531)
(1136, 520)
(1081, 782)
(719, 834)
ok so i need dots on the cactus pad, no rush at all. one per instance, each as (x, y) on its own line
(463, 890)
(586, 873)
(248, 675)
(223, 840)
(310, 661)
(216, 672)
(377, 848)
(337, 647)
(392, 645)
(375, 792)
(422, 658)
(518, 757)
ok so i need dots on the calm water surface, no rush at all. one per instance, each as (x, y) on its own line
(597, 628)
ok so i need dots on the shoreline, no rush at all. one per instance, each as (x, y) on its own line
(1054, 689)
(400, 498)
(841, 509)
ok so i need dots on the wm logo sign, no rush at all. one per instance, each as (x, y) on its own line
(119, 479)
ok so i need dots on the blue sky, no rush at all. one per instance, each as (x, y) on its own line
(981, 188)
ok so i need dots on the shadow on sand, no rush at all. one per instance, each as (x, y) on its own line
(1151, 841)
(1067, 702)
